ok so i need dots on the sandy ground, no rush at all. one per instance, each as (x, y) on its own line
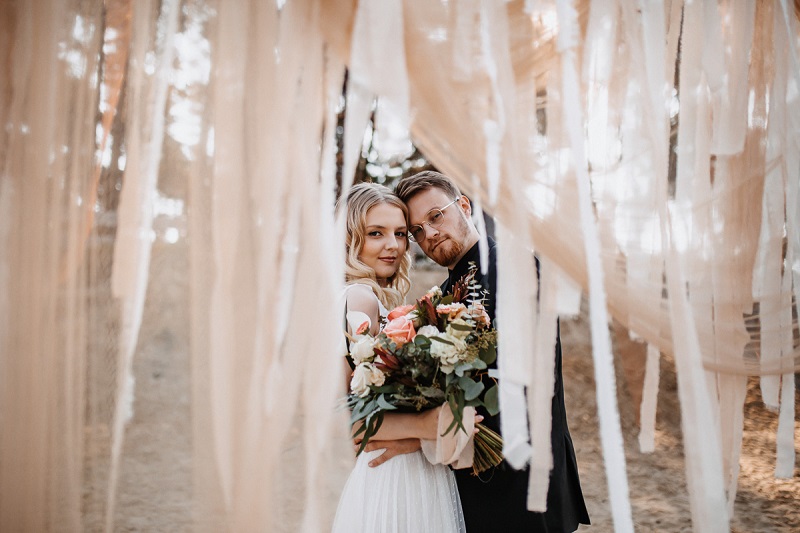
(658, 493)
(155, 482)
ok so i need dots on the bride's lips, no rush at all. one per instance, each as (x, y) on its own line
(388, 260)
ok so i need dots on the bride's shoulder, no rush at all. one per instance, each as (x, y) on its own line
(360, 297)
(362, 304)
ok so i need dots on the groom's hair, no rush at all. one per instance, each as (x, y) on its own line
(410, 186)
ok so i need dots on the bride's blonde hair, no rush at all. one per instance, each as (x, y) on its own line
(362, 198)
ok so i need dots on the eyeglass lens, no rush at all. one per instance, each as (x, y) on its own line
(434, 220)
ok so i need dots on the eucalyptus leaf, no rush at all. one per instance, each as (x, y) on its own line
(386, 389)
(460, 368)
(490, 401)
(422, 341)
(479, 364)
(432, 392)
(443, 341)
(453, 424)
(385, 405)
(488, 355)
(360, 430)
(471, 388)
(461, 327)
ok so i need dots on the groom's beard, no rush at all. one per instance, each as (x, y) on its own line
(450, 246)
(447, 252)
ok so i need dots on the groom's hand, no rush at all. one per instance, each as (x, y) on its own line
(392, 448)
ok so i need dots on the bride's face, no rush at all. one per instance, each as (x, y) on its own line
(385, 240)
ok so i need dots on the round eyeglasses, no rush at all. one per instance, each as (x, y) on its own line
(434, 219)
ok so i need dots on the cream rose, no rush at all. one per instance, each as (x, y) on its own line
(376, 377)
(428, 331)
(434, 291)
(458, 333)
(449, 353)
(361, 348)
(359, 383)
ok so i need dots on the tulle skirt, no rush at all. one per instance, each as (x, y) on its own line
(406, 494)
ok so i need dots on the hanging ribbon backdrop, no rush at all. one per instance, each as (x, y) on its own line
(647, 151)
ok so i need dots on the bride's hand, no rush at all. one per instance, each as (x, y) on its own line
(392, 448)
(478, 420)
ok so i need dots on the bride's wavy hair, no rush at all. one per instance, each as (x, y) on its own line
(362, 198)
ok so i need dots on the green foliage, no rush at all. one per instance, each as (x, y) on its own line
(423, 371)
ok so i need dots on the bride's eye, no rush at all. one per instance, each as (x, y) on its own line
(401, 234)
(374, 233)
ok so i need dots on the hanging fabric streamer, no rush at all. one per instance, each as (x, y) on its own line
(568, 295)
(132, 253)
(703, 452)
(494, 128)
(516, 313)
(647, 410)
(671, 198)
(377, 66)
(540, 394)
(725, 61)
(480, 225)
(785, 454)
(767, 279)
(611, 436)
(790, 168)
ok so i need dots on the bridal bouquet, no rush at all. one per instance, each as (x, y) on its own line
(429, 353)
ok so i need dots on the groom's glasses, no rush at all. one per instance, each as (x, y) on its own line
(434, 219)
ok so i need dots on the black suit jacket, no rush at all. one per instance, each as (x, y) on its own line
(497, 499)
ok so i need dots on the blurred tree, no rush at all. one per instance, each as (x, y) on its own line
(375, 164)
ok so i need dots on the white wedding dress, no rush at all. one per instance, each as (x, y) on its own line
(406, 494)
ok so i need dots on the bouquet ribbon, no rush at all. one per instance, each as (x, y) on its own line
(456, 447)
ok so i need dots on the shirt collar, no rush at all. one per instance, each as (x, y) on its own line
(473, 255)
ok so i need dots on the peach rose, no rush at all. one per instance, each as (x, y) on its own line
(400, 330)
(398, 311)
(452, 311)
(480, 316)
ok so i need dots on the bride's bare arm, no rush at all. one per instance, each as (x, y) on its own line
(400, 433)
(392, 448)
(361, 298)
(409, 425)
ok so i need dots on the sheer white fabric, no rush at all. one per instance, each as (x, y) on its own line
(406, 494)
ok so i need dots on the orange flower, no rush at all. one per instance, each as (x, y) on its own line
(452, 311)
(400, 330)
(398, 311)
(363, 328)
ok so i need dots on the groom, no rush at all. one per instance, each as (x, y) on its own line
(440, 222)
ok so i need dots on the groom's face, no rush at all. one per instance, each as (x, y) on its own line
(443, 244)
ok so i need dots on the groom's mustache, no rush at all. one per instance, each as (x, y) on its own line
(437, 243)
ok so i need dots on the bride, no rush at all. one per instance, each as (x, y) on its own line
(406, 493)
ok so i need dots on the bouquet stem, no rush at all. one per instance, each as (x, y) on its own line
(488, 450)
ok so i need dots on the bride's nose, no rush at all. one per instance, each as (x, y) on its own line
(391, 243)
